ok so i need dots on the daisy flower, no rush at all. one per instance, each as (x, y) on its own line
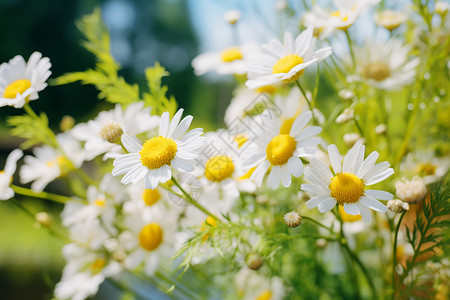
(390, 19)
(285, 62)
(6, 175)
(385, 65)
(347, 12)
(153, 160)
(281, 152)
(21, 81)
(346, 186)
(102, 134)
(229, 61)
(251, 285)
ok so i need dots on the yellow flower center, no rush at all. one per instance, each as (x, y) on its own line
(346, 188)
(219, 168)
(151, 236)
(231, 54)
(157, 152)
(248, 174)
(285, 64)
(346, 217)
(337, 14)
(98, 265)
(100, 202)
(266, 295)
(377, 71)
(240, 139)
(280, 149)
(425, 169)
(63, 164)
(150, 196)
(18, 86)
(269, 89)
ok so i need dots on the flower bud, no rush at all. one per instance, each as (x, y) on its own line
(411, 191)
(232, 16)
(111, 132)
(346, 94)
(345, 116)
(380, 129)
(351, 138)
(441, 7)
(67, 123)
(292, 219)
(397, 206)
(254, 261)
(44, 219)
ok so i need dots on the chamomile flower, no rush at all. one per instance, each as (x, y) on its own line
(251, 285)
(152, 161)
(347, 12)
(48, 163)
(385, 65)
(390, 19)
(102, 134)
(6, 175)
(281, 151)
(21, 81)
(347, 185)
(285, 62)
(229, 61)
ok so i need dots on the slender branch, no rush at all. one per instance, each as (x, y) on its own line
(192, 201)
(350, 46)
(41, 195)
(307, 101)
(358, 126)
(394, 253)
(316, 222)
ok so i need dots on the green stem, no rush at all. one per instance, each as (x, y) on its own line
(30, 111)
(192, 201)
(41, 195)
(317, 223)
(181, 287)
(307, 101)
(350, 46)
(394, 254)
(316, 86)
(50, 133)
(358, 126)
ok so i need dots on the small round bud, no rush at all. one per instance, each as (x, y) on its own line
(351, 138)
(380, 129)
(232, 16)
(44, 219)
(411, 191)
(321, 243)
(346, 95)
(347, 115)
(67, 123)
(254, 261)
(111, 132)
(292, 219)
(397, 206)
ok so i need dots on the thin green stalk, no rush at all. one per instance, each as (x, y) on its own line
(350, 46)
(394, 253)
(41, 195)
(358, 126)
(30, 111)
(307, 101)
(316, 86)
(316, 222)
(192, 201)
(181, 287)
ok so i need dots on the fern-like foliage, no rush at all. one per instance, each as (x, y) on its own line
(429, 231)
(112, 87)
(32, 128)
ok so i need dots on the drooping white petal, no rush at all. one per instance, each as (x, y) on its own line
(351, 209)
(258, 175)
(182, 165)
(314, 201)
(365, 212)
(314, 190)
(285, 176)
(373, 204)
(376, 194)
(379, 177)
(295, 166)
(273, 181)
(132, 144)
(326, 205)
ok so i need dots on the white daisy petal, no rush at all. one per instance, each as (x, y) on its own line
(300, 123)
(273, 181)
(373, 204)
(365, 212)
(376, 194)
(314, 201)
(164, 124)
(11, 161)
(314, 190)
(295, 166)
(351, 209)
(261, 170)
(175, 121)
(182, 128)
(380, 176)
(335, 158)
(132, 144)
(326, 205)
(368, 163)
(285, 176)
(182, 165)
(309, 132)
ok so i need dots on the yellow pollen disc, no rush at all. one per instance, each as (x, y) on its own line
(266, 295)
(280, 149)
(100, 202)
(18, 86)
(241, 139)
(269, 89)
(377, 71)
(248, 174)
(337, 14)
(231, 54)
(425, 169)
(287, 124)
(219, 167)
(150, 196)
(346, 217)
(63, 164)
(285, 64)
(346, 188)
(98, 265)
(210, 221)
(151, 236)
(157, 152)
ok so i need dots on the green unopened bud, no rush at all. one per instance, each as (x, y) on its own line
(254, 261)
(44, 219)
(67, 123)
